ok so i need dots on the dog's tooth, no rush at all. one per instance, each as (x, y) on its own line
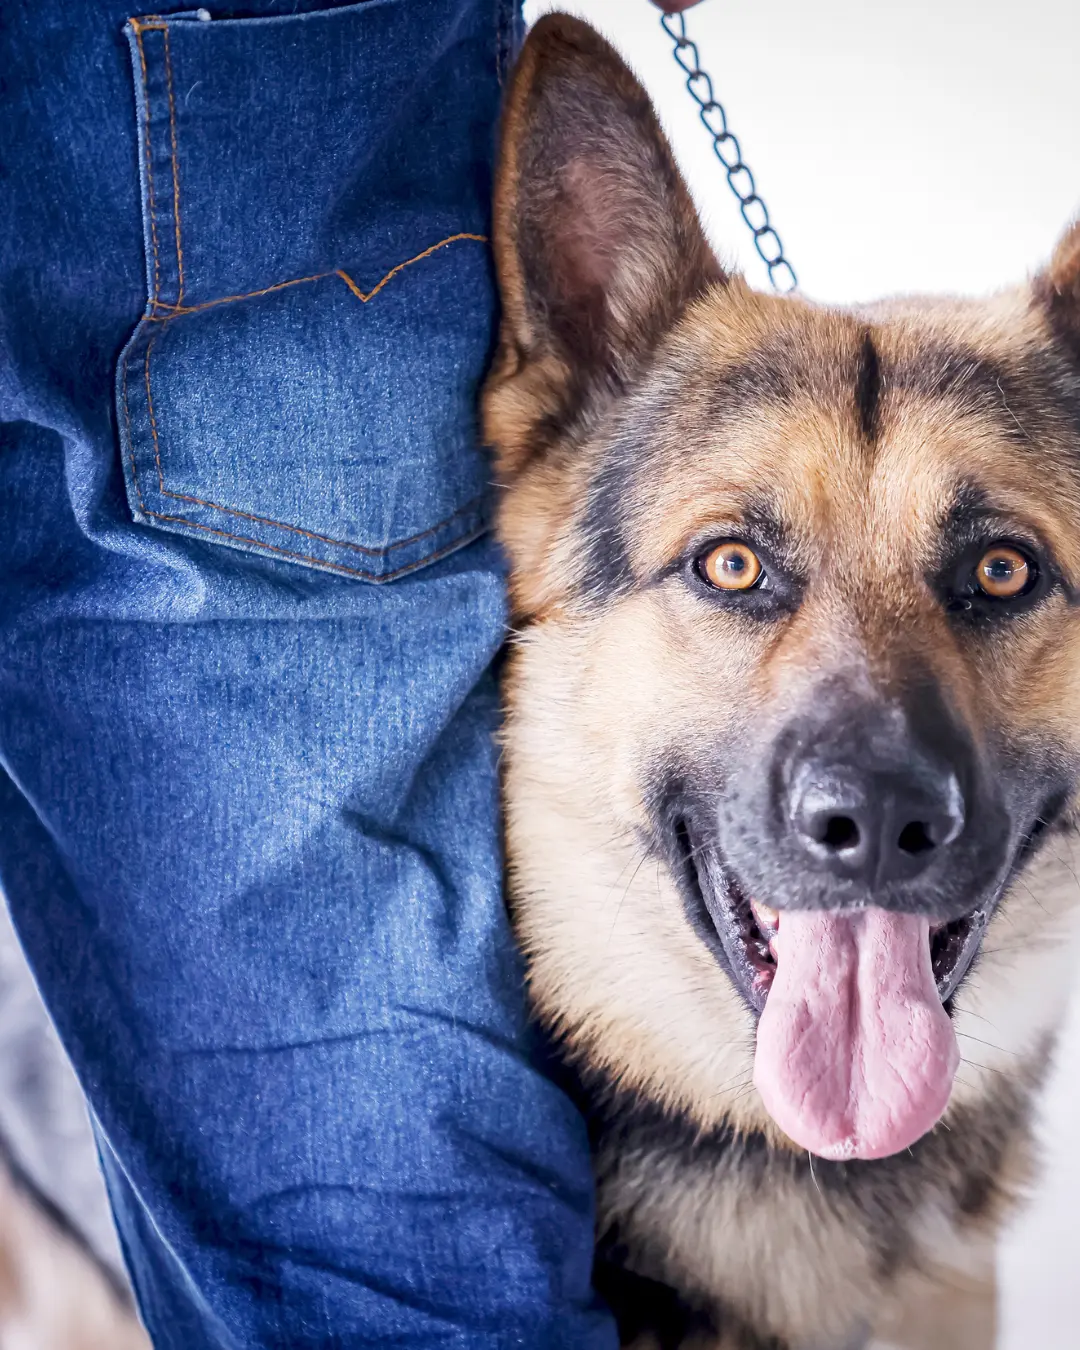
(768, 919)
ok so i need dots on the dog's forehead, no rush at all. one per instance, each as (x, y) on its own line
(852, 425)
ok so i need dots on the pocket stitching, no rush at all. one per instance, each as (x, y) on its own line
(178, 309)
(275, 548)
(266, 520)
(177, 312)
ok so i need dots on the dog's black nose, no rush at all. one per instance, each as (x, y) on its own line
(873, 823)
(869, 797)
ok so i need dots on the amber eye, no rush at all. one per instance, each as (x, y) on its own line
(731, 567)
(1003, 572)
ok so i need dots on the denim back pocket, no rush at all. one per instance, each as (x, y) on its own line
(304, 381)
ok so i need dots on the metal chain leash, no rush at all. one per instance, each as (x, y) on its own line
(727, 150)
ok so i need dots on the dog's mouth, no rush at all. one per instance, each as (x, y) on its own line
(747, 929)
(855, 1051)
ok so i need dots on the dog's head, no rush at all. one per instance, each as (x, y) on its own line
(794, 715)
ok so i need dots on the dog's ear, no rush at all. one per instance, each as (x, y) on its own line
(597, 243)
(1058, 289)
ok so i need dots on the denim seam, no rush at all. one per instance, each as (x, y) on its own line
(266, 520)
(177, 311)
(377, 577)
(175, 171)
(464, 510)
(138, 27)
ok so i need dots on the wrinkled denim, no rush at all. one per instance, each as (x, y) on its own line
(248, 613)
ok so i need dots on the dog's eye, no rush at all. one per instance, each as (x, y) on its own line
(731, 566)
(1003, 572)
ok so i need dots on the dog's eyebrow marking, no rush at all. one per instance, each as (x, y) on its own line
(771, 374)
(968, 501)
(765, 525)
(786, 370)
(868, 388)
(950, 372)
(979, 384)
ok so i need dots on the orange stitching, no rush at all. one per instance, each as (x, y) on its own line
(175, 174)
(176, 310)
(451, 239)
(149, 161)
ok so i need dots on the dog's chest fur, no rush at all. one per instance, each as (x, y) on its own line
(737, 1234)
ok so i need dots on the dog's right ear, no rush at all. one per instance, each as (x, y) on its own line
(597, 243)
(1058, 290)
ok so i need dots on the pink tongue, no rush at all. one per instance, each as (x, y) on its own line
(855, 1054)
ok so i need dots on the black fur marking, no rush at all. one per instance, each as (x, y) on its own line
(607, 558)
(646, 1307)
(772, 374)
(1026, 401)
(969, 502)
(1062, 374)
(868, 389)
(642, 1306)
(1021, 397)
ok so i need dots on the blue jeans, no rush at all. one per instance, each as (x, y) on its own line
(248, 612)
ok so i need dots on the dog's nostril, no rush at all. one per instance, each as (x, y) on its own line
(840, 832)
(915, 838)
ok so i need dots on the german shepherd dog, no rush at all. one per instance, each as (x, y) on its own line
(793, 739)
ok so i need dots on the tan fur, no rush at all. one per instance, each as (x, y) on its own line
(598, 692)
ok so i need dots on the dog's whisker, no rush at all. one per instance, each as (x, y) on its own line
(813, 1174)
(626, 892)
(989, 1044)
(988, 1068)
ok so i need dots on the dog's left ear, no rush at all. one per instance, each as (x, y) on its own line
(1058, 290)
(597, 243)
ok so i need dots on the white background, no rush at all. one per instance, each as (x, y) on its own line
(917, 146)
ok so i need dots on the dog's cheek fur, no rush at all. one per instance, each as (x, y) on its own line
(615, 967)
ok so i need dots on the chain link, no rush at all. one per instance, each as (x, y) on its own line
(728, 151)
